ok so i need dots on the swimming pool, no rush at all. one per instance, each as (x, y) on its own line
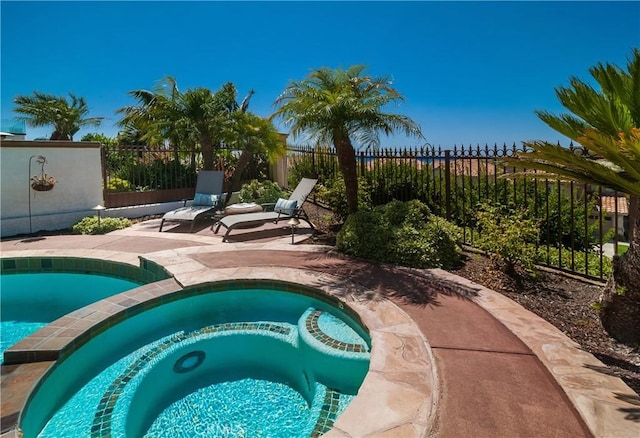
(291, 361)
(37, 291)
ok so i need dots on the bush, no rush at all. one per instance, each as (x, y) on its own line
(318, 162)
(507, 236)
(261, 192)
(394, 233)
(396, 178)
(158, 174)
(334, 194)
(89, 225)
(119, 185)
(561, 258)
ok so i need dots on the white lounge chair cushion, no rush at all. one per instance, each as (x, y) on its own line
(285, 206)
(205, 200)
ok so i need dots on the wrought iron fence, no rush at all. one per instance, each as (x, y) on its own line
(573, 218)
(140, 174)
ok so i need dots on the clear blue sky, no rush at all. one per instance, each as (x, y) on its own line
(471, 72)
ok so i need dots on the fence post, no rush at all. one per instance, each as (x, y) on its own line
(447, 182)
(103, 163)
(362, 166)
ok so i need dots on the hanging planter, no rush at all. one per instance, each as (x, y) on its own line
(42, 183)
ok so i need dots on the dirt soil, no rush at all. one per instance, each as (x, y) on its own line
(564, 301)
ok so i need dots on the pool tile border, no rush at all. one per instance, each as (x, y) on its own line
(311, 324)
(147, 272)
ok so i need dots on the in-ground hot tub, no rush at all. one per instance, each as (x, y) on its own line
(250, 358)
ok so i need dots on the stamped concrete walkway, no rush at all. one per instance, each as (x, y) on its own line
(501, 371)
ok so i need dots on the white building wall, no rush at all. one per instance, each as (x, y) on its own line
(75, 165)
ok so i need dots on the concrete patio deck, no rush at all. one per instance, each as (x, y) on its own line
(449, 357)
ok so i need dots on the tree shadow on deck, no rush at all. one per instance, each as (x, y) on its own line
(382, 281)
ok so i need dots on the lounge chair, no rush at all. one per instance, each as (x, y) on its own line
(206, 200)
(283, 210)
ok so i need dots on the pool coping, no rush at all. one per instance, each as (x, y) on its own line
(603, 402)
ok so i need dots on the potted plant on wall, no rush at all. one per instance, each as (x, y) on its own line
(42, 182)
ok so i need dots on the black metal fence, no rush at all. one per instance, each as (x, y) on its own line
(575, 220)
(136, 175)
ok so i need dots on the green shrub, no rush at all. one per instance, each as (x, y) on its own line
(364, 235)
(261, 192)
(507, 236)
(157, 174)
(562, 259)
(396, 178)
(334, 194)
(317, 162)
(89, 225)
(119, 185)
(392, 233)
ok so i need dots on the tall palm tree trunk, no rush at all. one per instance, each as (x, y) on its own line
(206, 145)
(620, 301)
(347, 163)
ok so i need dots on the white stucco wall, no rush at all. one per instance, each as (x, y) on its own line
(75, 165)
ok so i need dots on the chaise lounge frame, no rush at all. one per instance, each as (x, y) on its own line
(249, 220)
(209, 182)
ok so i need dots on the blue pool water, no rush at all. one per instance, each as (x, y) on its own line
(221, 371)
(28, 301)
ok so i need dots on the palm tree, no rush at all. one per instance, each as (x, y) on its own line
(199, 116)
(606, 123)
(196, 116)
(340, 107)
(66, 117)
(254, 135)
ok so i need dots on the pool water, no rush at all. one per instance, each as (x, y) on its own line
(29, 301)
(13, 331)
(243, 408)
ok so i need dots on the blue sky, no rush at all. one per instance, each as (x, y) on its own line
(471, 72)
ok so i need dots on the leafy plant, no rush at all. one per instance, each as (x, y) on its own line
(91, 225)
(583, 262)
(401, 233)
(506, 235)
(317, 162)
(333, 194)
(261, 192)
(119, 185)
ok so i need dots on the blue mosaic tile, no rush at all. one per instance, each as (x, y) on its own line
(102, 419)
(314, 329)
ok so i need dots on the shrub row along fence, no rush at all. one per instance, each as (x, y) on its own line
(136, 175)
(574, 219)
